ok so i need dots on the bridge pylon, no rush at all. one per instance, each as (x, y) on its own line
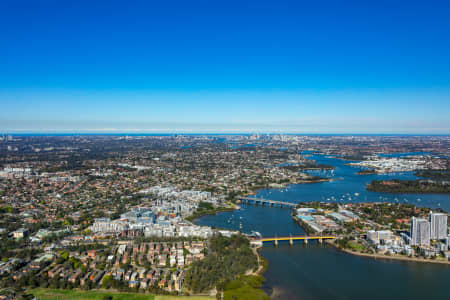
(306, 241)
(275, 242)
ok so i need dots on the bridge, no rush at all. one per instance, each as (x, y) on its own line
(267, 202)
(291, 239)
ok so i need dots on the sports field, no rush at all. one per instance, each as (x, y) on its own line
(49, 294)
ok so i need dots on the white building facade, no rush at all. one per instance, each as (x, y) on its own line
(420, 232)
(438, 223)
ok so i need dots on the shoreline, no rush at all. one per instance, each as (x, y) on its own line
(262, 263)
(374, 256)
(260, 271)
(388, 257)
(254, 191)
(257, 189)
(192, 217)
(407, 192)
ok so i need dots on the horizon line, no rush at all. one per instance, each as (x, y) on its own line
(219, 133)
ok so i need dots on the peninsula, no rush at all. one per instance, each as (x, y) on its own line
(380, 230)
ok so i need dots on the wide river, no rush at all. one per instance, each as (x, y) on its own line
(317, 271)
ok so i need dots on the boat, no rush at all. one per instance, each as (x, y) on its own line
(255, 234)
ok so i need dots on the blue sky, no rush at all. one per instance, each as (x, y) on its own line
(225, 66)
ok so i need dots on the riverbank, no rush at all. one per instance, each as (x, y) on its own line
(196, 215)
(232, 206)
(308, 167)
(397, 186)
(262, 263)
(318, 180)
(308, 230)
(367, 172)
(314, 179)
(376, 256)
(249, 285)
(294, 272)
(389, 257)
(254, 191)
(225, 270)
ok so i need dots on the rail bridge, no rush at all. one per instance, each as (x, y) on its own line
(291, 239)
(268, 202)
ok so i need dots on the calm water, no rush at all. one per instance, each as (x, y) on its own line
(317, 271)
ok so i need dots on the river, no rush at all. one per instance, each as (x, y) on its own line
(317, 271)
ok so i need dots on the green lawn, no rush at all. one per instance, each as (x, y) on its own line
(184, 298)
(356, 246)
(49, 294)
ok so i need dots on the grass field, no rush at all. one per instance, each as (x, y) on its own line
(184, 298)
(49, 294)
(356, 246)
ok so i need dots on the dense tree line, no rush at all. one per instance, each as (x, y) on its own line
(227, 258)
(434, 174)
(408, 186)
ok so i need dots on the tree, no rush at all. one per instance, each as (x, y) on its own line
(228, 258)
(107, 281)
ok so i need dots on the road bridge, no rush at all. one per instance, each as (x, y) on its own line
(268, 202)
(291, 239)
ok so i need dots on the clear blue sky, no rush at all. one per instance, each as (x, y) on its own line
(210, 66)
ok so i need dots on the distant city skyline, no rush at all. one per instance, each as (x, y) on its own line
(204, 67)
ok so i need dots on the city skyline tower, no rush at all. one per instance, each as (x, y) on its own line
(438, 226)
